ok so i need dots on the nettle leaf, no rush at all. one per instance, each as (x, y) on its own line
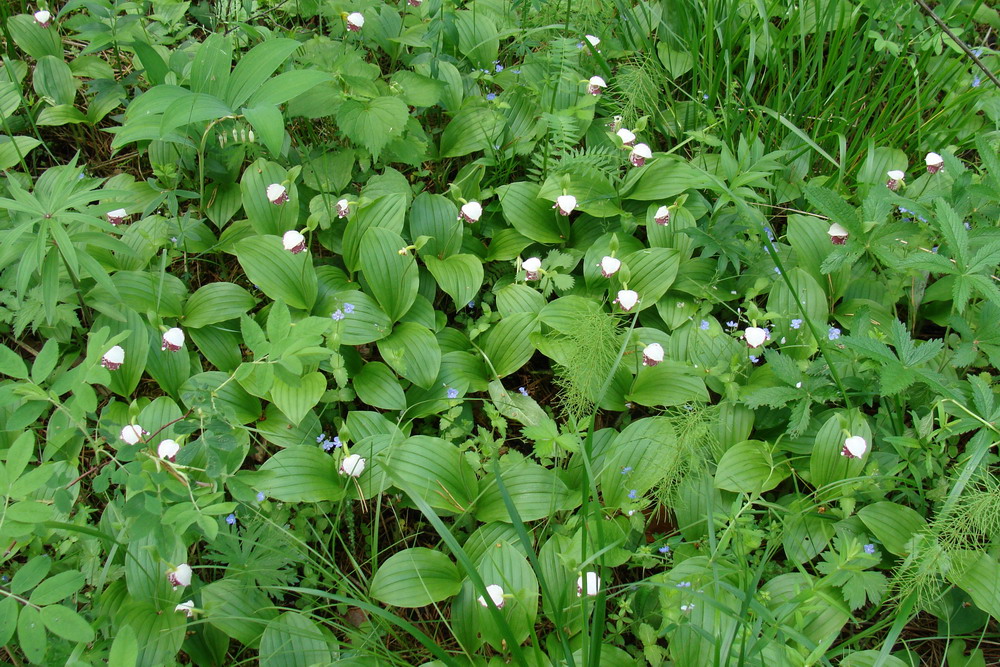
(374, 123)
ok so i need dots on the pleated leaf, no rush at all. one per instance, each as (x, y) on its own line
(416, 577)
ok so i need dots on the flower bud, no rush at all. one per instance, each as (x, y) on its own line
(471, 212)
(854, 447)
(355, 21)
(596, 85)
(180, 575)
(565, 204)
(627, 299)
(895, 179)
(609, 266)
(838, 235)
(652, 354)
(934, 163)
(496, 594)
(531, 267)
(352, 465)
(277, 194)
(755, 336)
(117, 216)
(293, 242)
(113, 358)
(640, 154)
(167, 450)
(662, 216)
(173, 340)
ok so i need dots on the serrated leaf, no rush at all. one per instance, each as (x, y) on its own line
(373, 123)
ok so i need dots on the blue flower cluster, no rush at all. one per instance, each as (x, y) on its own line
(338, 314)
(326, 444)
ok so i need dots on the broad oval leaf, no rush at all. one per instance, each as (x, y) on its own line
(304, 473)
(413, 352)
(216, 302)
(416, 577)
(277, 272)
(459, 276)
(391, 277)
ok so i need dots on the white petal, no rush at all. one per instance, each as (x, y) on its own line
(626, 135)
(837, 230)
(186, 607)
(566, 203)
(116, 355)
(181, 576)
(593, 584)
(473, 210)
(356, 19)
(662, 212)
(174, 336)
(643, 151)
(275, 191)
(594, 40)
(610, 265)
(292, 239)
(496, 594)
(654, 351)
(167, 449)
(598, 81)
(531, 264)
(352, 465)
(856, 445)
(627, 299)
(118, 213)
(132, 433)
(896, 175)
(42, 16)
(933, 159)
(754, 336)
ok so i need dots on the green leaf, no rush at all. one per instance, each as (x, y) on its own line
(294, 640)
(216, 302)
(31, 635)
(265, 217)
(278, 273)
(651, 273)
(385, 212)
(8, 618)
(366, 324)
(416, 577)
(54, 80)
(535, 491)
(391, 278)
(748, 467)
(11, 364)
(124, 649)
(302, 474)
(159, 634)
(436, 216)
(980, 579)
(377, 386)
(255, 66)
(66, 623)
(413, 352)
(63, 114)
(893, 525)
(663, 179)
(12, 149)
(667, 384)
(478, 39)
(508, 344)
(473, 129)
(191, 108)
(519, 298)
(285, 86)
(238, 608)
(826, 464)
(217, 395)
(269, 125)
(458, 276)
(33, 39)
(373, 123)
(435, 470)
(57, 588)
(530, 216)
(296, 400)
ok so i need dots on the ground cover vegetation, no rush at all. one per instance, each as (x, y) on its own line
(475, 333)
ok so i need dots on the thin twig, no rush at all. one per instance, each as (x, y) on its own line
(962, 45)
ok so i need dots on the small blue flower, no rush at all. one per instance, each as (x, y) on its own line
(934, 249)
(524, 392)
(705, 97)
(4, 578)
(976, 81)
(498, 68)
(516, 71)
(491, 96)
(452, 393)
(348, 308)
(337, 315)
(903, 210)
(321, 437)
(833, 334)
(732, 324)
(796, 323)
(967, 226)
(767, 250)
(231, 519)
(683, 584)
(770, 234)
(777, 270)
(704, 325)
(633, 494)
(332, 444)
(869, 549)
(579, 45)
(174, 240)
(664, 549)
(754, 359)
(260, 496)
(977, 52)
(626, 470)
(472, 304)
